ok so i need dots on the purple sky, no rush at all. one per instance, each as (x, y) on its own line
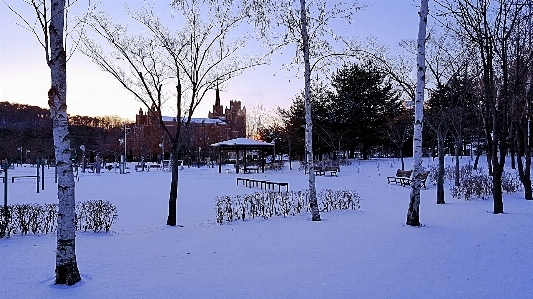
(24, 76)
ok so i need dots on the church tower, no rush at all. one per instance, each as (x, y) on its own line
(217, 108)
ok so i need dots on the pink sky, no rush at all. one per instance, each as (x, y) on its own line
(24, 76)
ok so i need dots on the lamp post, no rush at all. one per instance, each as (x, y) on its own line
(199, 149)
(20, 149)
(125, 142)
(162, 146)
(274, 155)
(27, 151)
(274, 143)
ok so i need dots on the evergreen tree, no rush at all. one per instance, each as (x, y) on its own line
(363, 102)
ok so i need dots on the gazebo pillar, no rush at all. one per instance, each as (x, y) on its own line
(237, 163)
(244, 158)
(262, 161)
(219, 160)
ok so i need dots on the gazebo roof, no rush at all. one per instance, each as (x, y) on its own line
(241, 143)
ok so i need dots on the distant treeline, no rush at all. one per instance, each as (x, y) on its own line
(26, 131)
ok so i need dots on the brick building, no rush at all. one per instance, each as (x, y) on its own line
(221, 124)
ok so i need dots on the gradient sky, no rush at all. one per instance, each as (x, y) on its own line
(25, 77)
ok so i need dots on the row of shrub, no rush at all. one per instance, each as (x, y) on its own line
(95, 215)
(449, 172)
(267, 204)
(475, 183)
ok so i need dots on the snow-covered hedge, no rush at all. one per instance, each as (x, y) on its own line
(267, 204)
(449, 172)
(475, 183)
(95, 215)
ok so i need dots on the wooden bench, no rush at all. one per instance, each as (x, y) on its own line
(423, 178)
(319, 170)
(244, 181)
(22, 176)
(250, 169)
(332, 170)
(260, 183)
(140, 166)
(399, 177)
(268, 184)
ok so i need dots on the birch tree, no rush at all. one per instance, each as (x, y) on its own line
(66, 266)
(305, 25)
(413, 213)
(198, 56)
(50, 30)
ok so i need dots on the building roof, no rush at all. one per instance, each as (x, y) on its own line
(241, 143)
(195, 120)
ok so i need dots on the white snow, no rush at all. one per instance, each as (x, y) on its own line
(462, 251)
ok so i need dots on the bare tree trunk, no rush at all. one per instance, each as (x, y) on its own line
(175, 148)
(457, 172)
(173, 197)
(524, 171)
(497, 163)
(440, 177)
(413, 213)
(512, 149)
(401, 158)
(478, 150)
(308, 120)
(66, 266)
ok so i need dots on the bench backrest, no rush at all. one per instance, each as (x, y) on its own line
(403, 173)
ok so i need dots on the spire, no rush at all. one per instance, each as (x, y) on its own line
(217, 96)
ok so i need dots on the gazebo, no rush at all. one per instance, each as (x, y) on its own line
(237, 145)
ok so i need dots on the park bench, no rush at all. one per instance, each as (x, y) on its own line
(423, 178)
(319, 170)
(399, 177)
(249, 169)
(244, 181)
(332, 170)
(22, 176)
(260, 183)
(269, 184)
(140, 166)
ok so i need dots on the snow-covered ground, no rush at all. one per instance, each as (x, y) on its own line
(462, 251)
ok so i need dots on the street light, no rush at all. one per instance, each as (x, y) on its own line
(199, 149)
(274, 143)
(162, 146)
(274, 156)
(20, 149)
(125, 141)
(27, 151)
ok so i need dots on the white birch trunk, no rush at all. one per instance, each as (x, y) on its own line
(308, 120)
(413, 214)
(66, 265)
